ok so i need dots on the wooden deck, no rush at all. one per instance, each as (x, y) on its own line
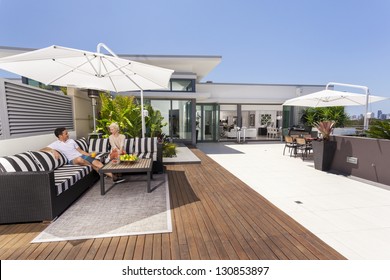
(214, 215)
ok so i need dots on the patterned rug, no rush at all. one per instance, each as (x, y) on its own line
(126, 209)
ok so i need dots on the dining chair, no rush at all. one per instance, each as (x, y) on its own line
(304, 146)
(290, 144)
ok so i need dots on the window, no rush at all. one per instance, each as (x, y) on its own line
(183, 85)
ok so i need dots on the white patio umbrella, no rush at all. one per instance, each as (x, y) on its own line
(61, 66)
(330, 98)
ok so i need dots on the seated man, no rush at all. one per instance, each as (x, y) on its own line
(74, 153)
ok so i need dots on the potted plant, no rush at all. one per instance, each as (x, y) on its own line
(324, 148)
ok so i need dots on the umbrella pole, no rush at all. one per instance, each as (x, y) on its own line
(366, 112)
(367, 96)
(142, 114)
(94, 114)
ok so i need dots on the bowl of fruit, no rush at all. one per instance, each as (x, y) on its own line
(128, 158)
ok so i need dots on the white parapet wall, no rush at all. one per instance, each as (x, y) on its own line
(30, 143)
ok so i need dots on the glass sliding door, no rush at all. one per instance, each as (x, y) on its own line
(180, 119)
(177, 115)
(206, 120)
(228, 120)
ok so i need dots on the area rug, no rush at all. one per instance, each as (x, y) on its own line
(126, 209)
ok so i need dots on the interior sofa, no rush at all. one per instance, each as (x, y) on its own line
(35, 186)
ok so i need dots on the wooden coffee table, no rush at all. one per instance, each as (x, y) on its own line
(142, 165)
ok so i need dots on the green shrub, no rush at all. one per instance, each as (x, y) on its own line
(379, 129)
(169, 149)
(127, 113)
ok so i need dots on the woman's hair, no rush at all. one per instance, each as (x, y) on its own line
(115, 126)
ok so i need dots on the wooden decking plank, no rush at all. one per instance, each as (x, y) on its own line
(17, 248)
(112, 248)
(93, 249)
(221, 204)
(57, 250)
(157, 247)
(215, 232)
(139, 248)
(297, 252)
(203, 240)
(65, 251)
(231, 201)
(37, 251)
(120, 251)
(84, 249)
(47, 251)
(179, 240)
(165, 247)
(230, 243)
(228, 186)
(76, 246)
(189, 227)
(103, 249)
(130, 248)
(148, 247)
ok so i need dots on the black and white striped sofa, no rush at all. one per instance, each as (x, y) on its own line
(35, 186)
(147, 147)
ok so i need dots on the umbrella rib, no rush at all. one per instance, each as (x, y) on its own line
(118, 68)
(71, 70)
(90, 63)
(112, 82)
(127, 76)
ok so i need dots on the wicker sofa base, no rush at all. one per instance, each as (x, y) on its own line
(32, 196)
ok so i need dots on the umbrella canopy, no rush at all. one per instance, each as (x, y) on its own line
(330, 98)
(61, 66)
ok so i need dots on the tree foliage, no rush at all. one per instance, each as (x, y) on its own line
(127, 113)
(379, 129)
(311, 116)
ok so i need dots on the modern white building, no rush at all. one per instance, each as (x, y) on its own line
(196, 109)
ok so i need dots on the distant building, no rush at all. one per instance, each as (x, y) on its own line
(379, 114)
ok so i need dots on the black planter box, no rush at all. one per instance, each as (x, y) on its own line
(323, 152)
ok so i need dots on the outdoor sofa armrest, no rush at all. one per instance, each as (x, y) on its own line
(26, 196)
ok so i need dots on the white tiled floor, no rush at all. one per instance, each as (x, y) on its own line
(351, 216)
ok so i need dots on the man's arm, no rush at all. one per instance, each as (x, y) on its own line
(50, 150)
(82, 152)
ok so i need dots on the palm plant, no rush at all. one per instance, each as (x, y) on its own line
(310, 116)
(325, 128)
(124, 111)
(379, 129)
(154, 122)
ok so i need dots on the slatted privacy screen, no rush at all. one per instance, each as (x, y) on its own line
(33, 111)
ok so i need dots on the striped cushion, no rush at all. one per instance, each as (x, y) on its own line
(146, 147)
(46, 160)
(100, 145)
(17, 163)
(67, 175)
(82, 143)
(129, 145)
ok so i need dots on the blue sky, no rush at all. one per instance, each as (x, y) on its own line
(273, 41)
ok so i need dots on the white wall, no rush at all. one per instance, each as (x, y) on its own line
(82, 112)
(31, 143)
(252, 93)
